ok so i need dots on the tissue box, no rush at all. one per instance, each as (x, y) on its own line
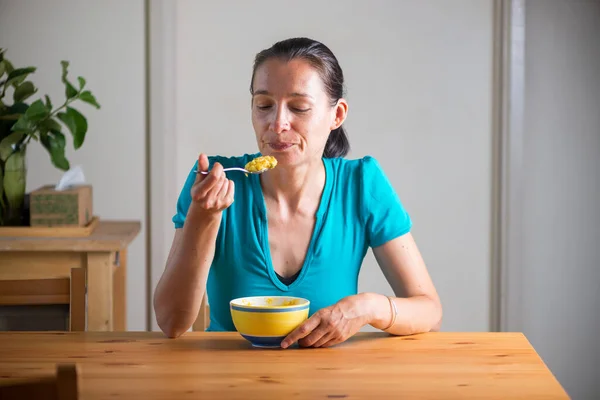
(70, 207)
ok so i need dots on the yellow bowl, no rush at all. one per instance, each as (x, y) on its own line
(266, 320)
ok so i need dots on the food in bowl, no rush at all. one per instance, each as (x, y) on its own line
(261, 163)
(266, 320)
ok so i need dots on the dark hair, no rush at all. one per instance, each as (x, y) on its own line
(321, 58)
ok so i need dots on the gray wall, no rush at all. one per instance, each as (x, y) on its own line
(104, 41)
(561, 215)
(419, 77)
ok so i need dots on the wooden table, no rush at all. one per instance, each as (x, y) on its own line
(102, 255)
(128, 365)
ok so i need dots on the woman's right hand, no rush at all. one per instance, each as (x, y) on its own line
(211, 193)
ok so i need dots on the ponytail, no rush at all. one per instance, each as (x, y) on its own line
(337, 144)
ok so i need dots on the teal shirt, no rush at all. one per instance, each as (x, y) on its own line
(359, 209)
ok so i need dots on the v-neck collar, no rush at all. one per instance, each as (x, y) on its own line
(264, 227)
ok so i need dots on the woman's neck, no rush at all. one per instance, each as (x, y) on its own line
(295, 189)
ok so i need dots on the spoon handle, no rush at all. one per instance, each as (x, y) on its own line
(225, 170)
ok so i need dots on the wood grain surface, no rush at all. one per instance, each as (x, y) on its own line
(147, 365)
(107, 236)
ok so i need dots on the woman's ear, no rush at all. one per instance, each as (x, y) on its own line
(341, 111)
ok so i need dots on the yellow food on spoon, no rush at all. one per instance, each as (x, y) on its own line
(261, 163)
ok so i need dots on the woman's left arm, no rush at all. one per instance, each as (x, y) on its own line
(418, 304)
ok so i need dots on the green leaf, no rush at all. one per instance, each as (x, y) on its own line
(65, 70)
(37, 111)
(70, 90)
(17, 81)
(2, 68)
(76, 123)
(8, 66)
(14, 180)
(17, 76)
(23, 91)
(6, 145)
(60, 139)
(89, 98)
(55, 143)
(48, 102)
(51, 125)
(81, 82)
(23, 124)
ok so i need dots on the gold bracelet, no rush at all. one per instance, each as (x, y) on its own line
(394, 313)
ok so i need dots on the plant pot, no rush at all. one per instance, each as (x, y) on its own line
(14, 175)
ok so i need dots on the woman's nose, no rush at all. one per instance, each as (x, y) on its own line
(280, 121)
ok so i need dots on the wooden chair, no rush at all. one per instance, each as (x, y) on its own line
(69, 291)
(62, 386)
(203, 318)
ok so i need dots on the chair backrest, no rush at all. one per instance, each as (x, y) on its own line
(68, 290)
(203, 318)
(62, 386)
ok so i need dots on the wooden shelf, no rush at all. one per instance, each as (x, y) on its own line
(50, 231)
(107, 236)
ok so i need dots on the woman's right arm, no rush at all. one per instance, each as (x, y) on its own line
(179, 292)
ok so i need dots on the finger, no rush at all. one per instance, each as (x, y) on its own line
(220, 195)
(217, 170)
(200, 190)
(316, 335)
(203, 162)
(204, 186)
(212, 197)
(230, 193)
(211, 180)
(203, 165)
(329, 336)
(301, 331)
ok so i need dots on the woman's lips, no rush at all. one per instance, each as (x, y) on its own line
(280, 146)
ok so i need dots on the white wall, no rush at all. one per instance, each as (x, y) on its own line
(104, 41)
(561, 210)
(419, 76)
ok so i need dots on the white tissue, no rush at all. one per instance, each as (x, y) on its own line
(72, 177)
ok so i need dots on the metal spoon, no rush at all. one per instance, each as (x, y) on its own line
(233, 169)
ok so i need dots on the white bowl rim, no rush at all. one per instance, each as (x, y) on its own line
(238, 302)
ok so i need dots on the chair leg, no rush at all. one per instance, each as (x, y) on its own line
(67, 382)
(77, 303)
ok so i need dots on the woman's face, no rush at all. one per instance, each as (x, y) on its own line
(292, 114)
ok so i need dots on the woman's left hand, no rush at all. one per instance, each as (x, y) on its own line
(332, 325)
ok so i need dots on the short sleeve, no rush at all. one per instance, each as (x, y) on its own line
(185, 199)
(384, 215)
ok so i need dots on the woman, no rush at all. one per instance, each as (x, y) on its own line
(301, 229)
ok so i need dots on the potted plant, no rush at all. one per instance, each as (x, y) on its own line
(22, 121)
